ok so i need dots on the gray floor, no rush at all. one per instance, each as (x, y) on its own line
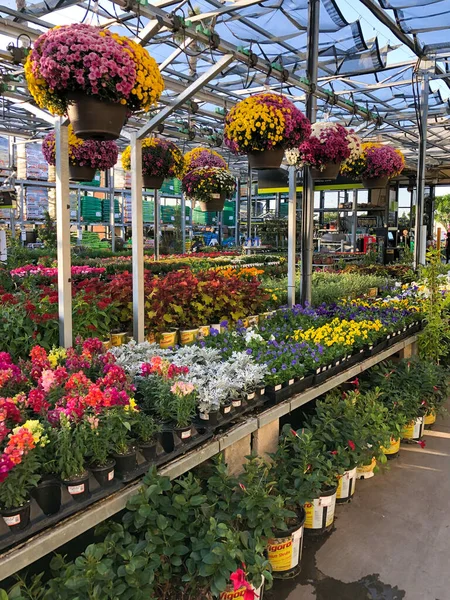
(393, 540)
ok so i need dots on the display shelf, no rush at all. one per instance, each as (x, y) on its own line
(37, 546)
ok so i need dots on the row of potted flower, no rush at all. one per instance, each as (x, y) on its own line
(221, 536)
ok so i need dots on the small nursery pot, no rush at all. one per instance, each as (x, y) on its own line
(393, 449)
(168, 339)
(366, 471)
(226, 408)
(284, 550)
(48, 496)
(320, 512)
(237, 403)
(184, 433)
(104, 474)
(78, 487)
(188, 336)
(414, 430)
(125, 463)
(17, 518)
(210, 418)
(148, 450)
(346, 486)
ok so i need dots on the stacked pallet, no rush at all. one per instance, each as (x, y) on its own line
(36, 203)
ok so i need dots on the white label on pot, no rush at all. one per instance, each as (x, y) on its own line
(338, 362)
(75, 489)
(236, 403)
(185, 434)
(226, 409)
(291, 381)
(347, 483)
(278, 387)
(204, 416)
(250, 396)
(13, 520)
(111, 475)
(320, 512)
(98, 214)
(318, 370)
(326, 501)
(388, 337)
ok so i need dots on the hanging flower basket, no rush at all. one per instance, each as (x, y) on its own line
(85, 156)
(210, 186)
(263, 126)
(160, 159)
(375, 183)
(324, 151)
(203, 157)
(94, 76)
(375, 165)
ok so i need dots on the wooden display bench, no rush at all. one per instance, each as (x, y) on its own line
(258, 433)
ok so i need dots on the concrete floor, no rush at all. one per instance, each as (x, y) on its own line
(392, 541)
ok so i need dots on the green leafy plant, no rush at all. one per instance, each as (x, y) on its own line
(70, 449)
(145, 428)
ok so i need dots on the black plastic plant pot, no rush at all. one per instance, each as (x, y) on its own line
(284, 550)
(278, 393)
(379, 347)
(167, 441)
(302, 384)
(125, 463)
(148, 450)
(210, 419)
(320, 513)
(321, 377)
(104, 474)
(48, 496)
(78, 487)
(226, 409)
(183, 433)
(17, 518)
(261, 391)
(236, 404)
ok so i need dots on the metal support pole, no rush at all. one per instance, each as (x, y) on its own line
(112, 210)
(308, 182)
(277, 204)
(63, 233)
(183, 223)
(237, 219)
(249, 202)
(355, 219)
(157, 224)
(220, 227)
(321, 207)
(137, 235)
(419, 243)
(292, 234)
(11, 165)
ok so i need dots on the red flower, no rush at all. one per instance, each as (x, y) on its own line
(355, 382)
(334, 452)
(294, 432)
(243, 488)
(351, 445)
(422, 443)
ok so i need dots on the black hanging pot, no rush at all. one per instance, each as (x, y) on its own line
(148, 450)
(79, 173)
(152, 182)
(267, 159)
(48, 496)
(331, 171)
(104, 474)
(17, 518)
(375, 183)
(214, 204)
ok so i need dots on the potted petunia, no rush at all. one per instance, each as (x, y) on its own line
(376, 165)
(263, 126)
(19, 466)
(324, 151)
(93, 75)
(160, 159)
(85, 156)
(203, 157)
(210, 186)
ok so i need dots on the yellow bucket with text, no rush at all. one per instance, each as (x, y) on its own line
(430, 417)
(117, 339)
(366, 471)
(393, 448)
(204, 330)
(188, 336)
(168, 339)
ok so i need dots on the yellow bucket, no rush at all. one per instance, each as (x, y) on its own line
(393, 448)
(168, 339)
(204, 330)
(430, 417)
(117, 339)
(366, 471)
(188, 336)
(373, 292)
(414, 430)
(106, 345)
(245, 322)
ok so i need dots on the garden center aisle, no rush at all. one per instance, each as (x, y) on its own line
(393, 541)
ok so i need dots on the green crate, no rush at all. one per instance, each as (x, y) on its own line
(91, 209)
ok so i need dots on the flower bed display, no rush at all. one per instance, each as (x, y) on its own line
(263, 126)
(210, 186)
(329, 145)
(95, 76)
(376, 165)
(160, 159)
(85, 156)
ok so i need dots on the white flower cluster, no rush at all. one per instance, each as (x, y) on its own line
(354, 142)
(317, 129)
(292, 156)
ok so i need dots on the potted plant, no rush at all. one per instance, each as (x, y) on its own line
(19, 466)
(99, 448)
(70, 453)
(263, 126)
(209, 186)
(182, 406)
(308, 477)
(47, 493)
(120, 422)
(160, 159)
(94, 75)
(376, 165)
(203, 157)
(146, 431)
(324, 151)
(85, 156)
